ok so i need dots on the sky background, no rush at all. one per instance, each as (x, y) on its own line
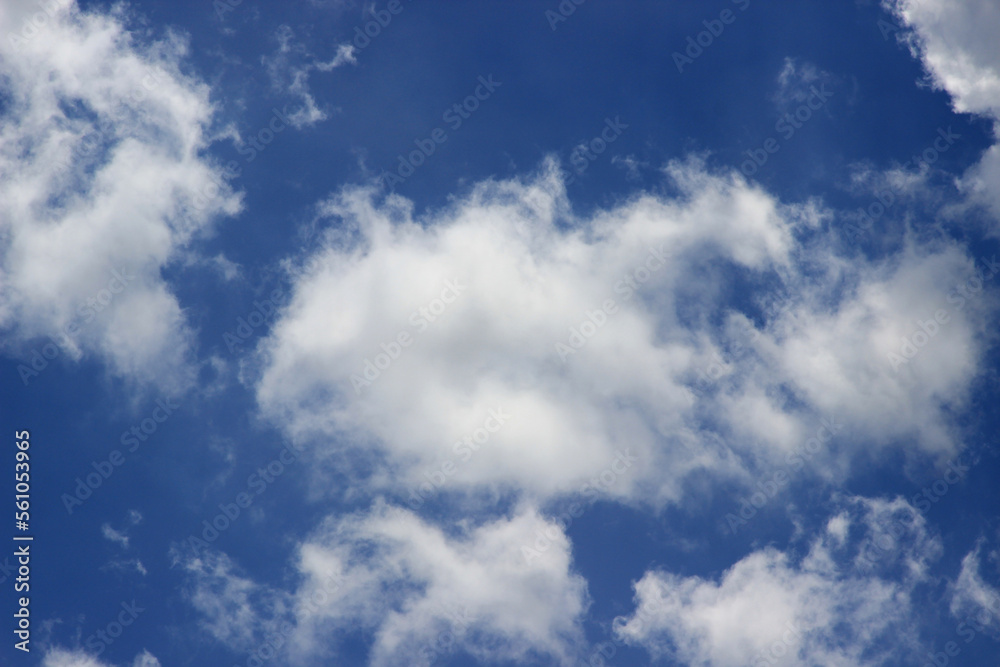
(673, 344)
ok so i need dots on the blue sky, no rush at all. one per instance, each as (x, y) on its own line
(502, 333)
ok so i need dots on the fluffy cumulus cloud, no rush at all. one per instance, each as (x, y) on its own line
(421, 593)
(849, 600)
(906, 342)
(506, 343)
(103, 182)
(957, 44)
(508, 346)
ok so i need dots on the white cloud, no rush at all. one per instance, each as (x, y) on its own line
(59, 657)
(870, 356)
(519, 285)
(63, 658)
(233, 608)
(522, 271)
(419, 591)
(528, 272)
(956, 41)
(121, 536)
(289, 69)
(972, 596)
(145, 659)
(224, 267)
(796, 81)
(475, 585)
(114, 536)
(773, 608)
(345, 54)
(126, 565)
(102, 184)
